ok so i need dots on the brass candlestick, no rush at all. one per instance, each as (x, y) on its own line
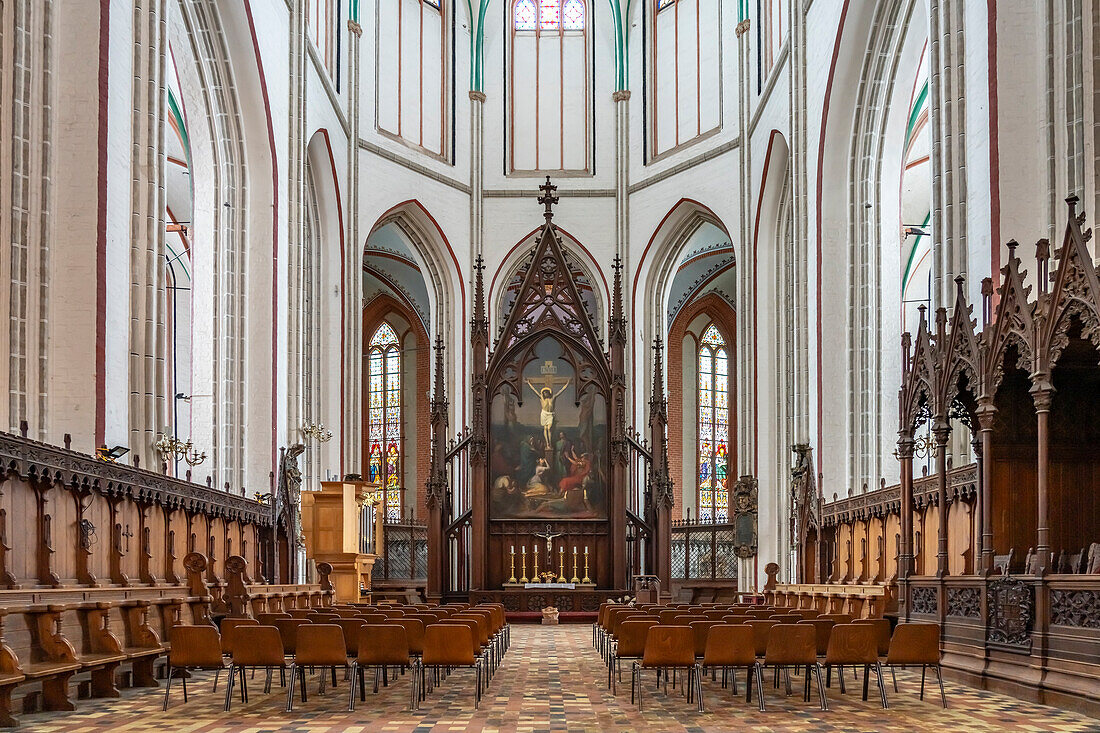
(561, 564)
(535, 574)
(512, 579)
(586, 579)
(574, 579)
(523, 566)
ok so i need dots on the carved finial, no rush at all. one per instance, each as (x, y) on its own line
(68, 439)
(1072, 201)
(187, 475)
(987, 301)
(923, 313)
(959, 281)
(548, 199)
(1042, 249)
(987, 286)
(1012, 245)
(209, 481)
(24, 428)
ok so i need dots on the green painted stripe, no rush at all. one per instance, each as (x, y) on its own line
(353, 10)
(174, 258)
(174, 108)
(912, 254)
(918, 105)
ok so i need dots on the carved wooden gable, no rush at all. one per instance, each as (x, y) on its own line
(918, 392)
(1014, 324)
(961, 350)
(549, 299)
(1076, 291)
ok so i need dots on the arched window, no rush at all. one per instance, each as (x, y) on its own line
(548, 95)
(714, 427)
(683, 71)
(384, 417)
(412, 73)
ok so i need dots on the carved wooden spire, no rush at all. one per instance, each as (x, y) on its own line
(548, 199)
(437, 478)
(617, 322)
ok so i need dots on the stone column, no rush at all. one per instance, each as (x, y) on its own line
(352, 453)
(985, 474)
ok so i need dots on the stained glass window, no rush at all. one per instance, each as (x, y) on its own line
(662, 4)
(573, 15)
(526, 15)
(714, 416)
(384, 417)
(549, 13)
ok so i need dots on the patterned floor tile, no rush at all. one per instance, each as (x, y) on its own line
(552, 680)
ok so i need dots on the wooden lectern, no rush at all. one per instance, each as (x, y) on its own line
(331, 524)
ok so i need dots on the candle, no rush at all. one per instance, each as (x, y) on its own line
(524, 548)
(513, 549)
(586, 549)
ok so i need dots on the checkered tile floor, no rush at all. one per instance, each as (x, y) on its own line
(552, 680)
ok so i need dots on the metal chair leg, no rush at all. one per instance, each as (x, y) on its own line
(881, 685)
(923, 667)
(351, 686)
(167, 689)
(633, 675)
(760, 685)
(820, 687)
(229, 686)
(939, 677)
(216, 673)
(290, 689)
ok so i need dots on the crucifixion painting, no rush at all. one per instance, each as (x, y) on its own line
(548, 456)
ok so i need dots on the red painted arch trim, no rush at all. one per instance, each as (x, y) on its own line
(641, 261)
(994, 157)
(274, 235)
(100, 428)
(756, 306)
(454, 260)
(820, 178)
(343, 259)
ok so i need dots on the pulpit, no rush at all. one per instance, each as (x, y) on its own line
(332, 527)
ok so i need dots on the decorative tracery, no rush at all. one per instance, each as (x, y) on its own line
(384, 417)
(713, 490)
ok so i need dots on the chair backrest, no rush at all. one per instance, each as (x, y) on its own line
(619, 616)
(805, 613)
(373, 618)
(786, 618)
(195, 646)
(268, 619)
(299, 612)
(449, 645)
(322, 617)
(915, 644)
(760, 630)
(227, 627)
(320, 645)
(840, 618)
(669, 646)
(715, 614)
(381, 644)
(632, 636)
(472, 625)
(700, 630)
(414, 633)
(351, 627)
(882, 633)
(853, 644)
(258, 646)
(791, 644)
(482, 625)
(822, 629)
(730, 645)
(391, 612)
(1094, 558)
(288, 631)
(668, 614)
(1003, 563)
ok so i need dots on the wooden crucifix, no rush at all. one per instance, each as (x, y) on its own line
(549, 536)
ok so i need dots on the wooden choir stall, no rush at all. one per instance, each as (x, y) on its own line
(547, 472)
(99, 560)
(1003, 552)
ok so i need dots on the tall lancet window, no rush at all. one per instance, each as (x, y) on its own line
(714, 427)
(384, 417)
(549, 116)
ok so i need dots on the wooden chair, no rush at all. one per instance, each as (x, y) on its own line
(666, 648)
(882, 634)
(227, 628)
(629, 645)
(914, 644)
(1003, 563)
(352, 628)
(856, 645)
(316, 645)
(730, 647)
(193, 647)
(253, 647)
(795, 645)
(452, 646)
(760, 630)
(269, 619)
(379, 646)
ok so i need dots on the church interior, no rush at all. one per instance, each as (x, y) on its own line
(549, 365)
